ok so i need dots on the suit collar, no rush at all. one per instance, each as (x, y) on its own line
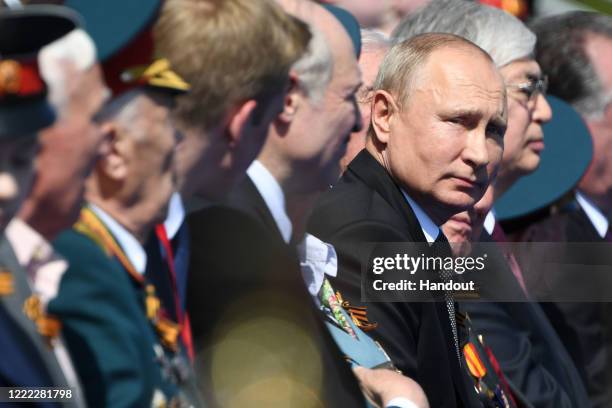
(273, 196)
(594, 214)
(130, 245)
(176, 215)
(369, 171)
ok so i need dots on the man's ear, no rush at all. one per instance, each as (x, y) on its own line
(292, 100)
(114, 153)
(238, 119)
(383, 109)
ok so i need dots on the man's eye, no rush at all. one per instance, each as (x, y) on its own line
(495, 130)
(528, 90)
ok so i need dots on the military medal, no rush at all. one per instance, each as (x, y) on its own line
(475, 365)
(7, 286)
(48, 327)
(358, 314)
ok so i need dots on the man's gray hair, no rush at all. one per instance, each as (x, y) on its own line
(374, 41)
(314, 69)
(500, 34)
(561, 53)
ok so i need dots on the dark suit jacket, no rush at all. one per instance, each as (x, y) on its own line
(244, 279)
(585, 328)
(367, 206)
(26, 360)
(540, 371)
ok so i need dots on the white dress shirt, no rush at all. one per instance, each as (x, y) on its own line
(489, 222)
(130, 245)
(273, 195)
(430, 229)
(317, 258)
(176, 215)
(597, 218)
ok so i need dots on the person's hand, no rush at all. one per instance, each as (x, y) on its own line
(380, 386)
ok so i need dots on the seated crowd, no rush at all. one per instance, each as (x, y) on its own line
(192, 193)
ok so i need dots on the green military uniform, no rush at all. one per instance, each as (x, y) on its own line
(105, 327)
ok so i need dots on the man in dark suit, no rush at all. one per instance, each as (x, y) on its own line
(244, 254)
(207, 164)
(573, 50)
(294, 168)
(412, 177)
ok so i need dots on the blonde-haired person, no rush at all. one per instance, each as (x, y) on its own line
(236, 54)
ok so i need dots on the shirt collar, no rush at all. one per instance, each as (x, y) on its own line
(430, 229)
(597, 218)
(176, 215)
(489, 222)
(317, 259)
(26, 242)
(130, 245)
(42, 264)
(273, 195)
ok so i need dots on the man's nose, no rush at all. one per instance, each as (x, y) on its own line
(475, 152)
(542, 112)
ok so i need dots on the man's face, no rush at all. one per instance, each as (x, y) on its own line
(369, 63)
(208, 167)
(68, 152)
(465, 227)
(16, 174)
(151, 176)
(327, 124)
(445, 144)
(524, 140)
(597, 181)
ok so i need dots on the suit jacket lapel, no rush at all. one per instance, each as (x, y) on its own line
(370, 172)
(247, 198)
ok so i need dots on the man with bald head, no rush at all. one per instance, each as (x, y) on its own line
(438, 120)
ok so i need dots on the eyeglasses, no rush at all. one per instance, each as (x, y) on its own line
(532, 88)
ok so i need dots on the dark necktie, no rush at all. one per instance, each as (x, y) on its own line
(442, 249)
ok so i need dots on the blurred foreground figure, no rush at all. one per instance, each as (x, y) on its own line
(299, 161)
(124, 347)
(257, 340)
(33, 353)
